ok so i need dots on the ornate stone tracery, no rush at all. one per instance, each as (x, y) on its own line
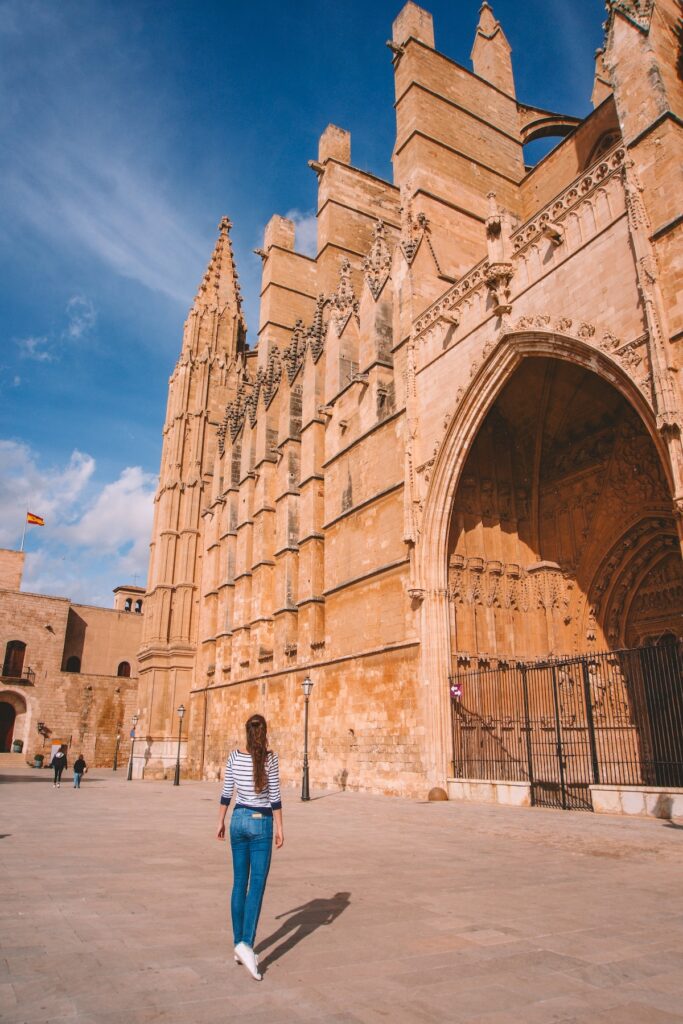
(377, 263)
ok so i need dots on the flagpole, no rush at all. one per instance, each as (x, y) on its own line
(23, 535)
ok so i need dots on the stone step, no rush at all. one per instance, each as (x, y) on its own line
(12, 760)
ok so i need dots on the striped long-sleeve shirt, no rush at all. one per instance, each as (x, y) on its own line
(239, 775)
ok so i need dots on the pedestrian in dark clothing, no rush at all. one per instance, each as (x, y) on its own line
(58, 762)
(80, 767)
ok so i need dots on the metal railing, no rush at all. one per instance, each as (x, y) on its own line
(563, 724)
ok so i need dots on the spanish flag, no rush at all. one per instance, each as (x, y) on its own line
(34, 520)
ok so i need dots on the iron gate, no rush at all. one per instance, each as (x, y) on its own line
(562, 724)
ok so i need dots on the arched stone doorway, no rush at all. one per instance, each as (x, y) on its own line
(562, 539)
(620, 398)
(13, 719)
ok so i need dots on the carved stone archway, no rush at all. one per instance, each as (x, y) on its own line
(430, 571)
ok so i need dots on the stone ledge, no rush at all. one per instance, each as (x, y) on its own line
(516, 794)
(641, 801)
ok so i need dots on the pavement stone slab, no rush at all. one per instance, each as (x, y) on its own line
(377, 910)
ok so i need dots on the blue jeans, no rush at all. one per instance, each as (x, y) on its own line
(251, 840)
(77, 780)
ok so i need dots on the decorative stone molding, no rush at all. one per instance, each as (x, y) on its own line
(377, 263)
(545, 221)
(638, 12)
(344, 303)
(498, 279)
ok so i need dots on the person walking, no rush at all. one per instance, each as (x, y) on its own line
(258, 805)
(80, 768)
(58, 763)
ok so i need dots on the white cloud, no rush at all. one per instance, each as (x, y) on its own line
(81, 316)
(36, 348)
(306, 227)
(119, 520)
(96, 535)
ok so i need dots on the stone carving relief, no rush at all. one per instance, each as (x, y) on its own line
(499, 269)
(344, 303)
(639, 12)
(490, 583)
(377, 263)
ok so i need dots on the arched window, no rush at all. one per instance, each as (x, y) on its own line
(123, 669)
(604, 143)
(73, 664)
(138, 606)
(14, 659)
(128, 605)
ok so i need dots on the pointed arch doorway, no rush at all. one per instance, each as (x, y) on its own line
(549, 510)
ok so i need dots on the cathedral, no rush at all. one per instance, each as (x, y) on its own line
(456, 445)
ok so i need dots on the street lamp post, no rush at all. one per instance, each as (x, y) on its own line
(116, 752)
(181, 712)
(132, 748)
(306, 686)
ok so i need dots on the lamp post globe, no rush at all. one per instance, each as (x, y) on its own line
(306, 686)
(181, 715)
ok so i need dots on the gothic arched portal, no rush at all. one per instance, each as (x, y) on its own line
(581, 470)
(562, 538)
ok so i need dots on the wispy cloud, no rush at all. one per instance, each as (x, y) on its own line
(306, 228)
(36, 348)
(96, 534)
(85, 169)
(80, 317)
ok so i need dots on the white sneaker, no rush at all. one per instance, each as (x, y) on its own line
(248, 958)
(238, 961)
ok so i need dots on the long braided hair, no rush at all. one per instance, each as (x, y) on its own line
(257, 746)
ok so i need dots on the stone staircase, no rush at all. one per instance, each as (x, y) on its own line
(12, 761)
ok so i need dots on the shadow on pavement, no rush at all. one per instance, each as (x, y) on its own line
(47, 777)
(306, 920)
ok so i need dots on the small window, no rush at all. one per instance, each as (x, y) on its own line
(124, 670)
(73, 664)
(138, 606)
(128, 605)
(14, 659)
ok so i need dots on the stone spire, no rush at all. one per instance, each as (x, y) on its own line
(220, 285)
(216, 319)
(491, 52)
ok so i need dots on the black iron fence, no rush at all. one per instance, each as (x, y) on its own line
(563, 724)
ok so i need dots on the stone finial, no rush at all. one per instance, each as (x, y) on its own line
(413, 21)
(491, 52)
(335, 144)
(279, 231)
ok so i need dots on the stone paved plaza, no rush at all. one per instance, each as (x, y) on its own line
(115, 904)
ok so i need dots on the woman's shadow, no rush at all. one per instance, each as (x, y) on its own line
(305, 920)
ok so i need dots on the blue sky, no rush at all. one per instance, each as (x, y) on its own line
(128, 130)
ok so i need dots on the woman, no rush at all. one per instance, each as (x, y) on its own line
(58, 762)
(256, 776)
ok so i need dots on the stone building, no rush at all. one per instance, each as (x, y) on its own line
(458, 438)
(69, 671)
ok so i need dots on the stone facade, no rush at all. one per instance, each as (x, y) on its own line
(70, 667)
(459, 435)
